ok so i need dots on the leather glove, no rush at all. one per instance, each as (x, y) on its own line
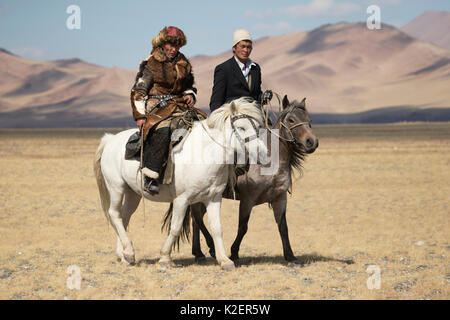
(267, 96)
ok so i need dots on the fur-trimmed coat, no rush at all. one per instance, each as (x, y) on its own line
(159, 76)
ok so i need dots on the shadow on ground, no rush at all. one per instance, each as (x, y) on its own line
(302, 260)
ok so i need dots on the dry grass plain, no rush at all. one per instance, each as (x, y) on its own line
(376, 194)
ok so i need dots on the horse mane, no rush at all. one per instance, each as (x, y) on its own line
(297, 157)
(298, 153)
(244, 105)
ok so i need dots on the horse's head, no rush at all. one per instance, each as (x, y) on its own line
(295, 125)
(241, 120)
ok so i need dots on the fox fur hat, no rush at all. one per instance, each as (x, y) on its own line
(169, 35)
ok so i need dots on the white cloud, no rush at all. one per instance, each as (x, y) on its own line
(383, 2)
(254, 14)
(30, 52)
(312, 9)
(315, 8)
(321, 8)
(277, 28)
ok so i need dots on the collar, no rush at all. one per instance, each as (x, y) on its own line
(248, 64)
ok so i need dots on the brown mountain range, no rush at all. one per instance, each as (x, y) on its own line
(60, 93)
(431, 26)
(347, 68)
(340, 68)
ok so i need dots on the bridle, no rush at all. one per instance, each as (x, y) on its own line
(242, 141)
(280, 120)
(252, 120)
(290, 128)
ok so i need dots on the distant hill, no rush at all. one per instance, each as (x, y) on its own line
(385, 115)
(431, 26)
(347, 73)
(61, 92)
(346, 68)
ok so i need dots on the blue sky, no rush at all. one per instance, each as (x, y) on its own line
(118, 33)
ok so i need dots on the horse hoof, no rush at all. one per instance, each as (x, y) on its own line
(234, 257)
(212, 253)
(165, 263)
(129, 258)
(168, 263)
(227, 266)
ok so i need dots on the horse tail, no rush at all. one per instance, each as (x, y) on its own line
(103, 190)
(185, 229)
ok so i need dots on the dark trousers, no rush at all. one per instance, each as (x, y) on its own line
(156, 149)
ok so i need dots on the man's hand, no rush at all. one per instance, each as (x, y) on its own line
(189, 100)
(267, 96)
(140, 123)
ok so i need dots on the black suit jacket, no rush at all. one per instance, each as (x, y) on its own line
(230, 84)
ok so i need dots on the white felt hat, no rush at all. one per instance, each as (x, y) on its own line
(240, 35)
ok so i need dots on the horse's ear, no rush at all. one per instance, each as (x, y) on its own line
(303, 103)
(285, 102)
(233, 108)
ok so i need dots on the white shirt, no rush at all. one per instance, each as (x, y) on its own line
(245, 68)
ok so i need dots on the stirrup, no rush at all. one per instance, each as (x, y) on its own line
(151, 186)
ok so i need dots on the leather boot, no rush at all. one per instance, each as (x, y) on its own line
(151, 186)
(150, 181)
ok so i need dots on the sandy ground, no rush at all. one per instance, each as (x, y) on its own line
(378, 195)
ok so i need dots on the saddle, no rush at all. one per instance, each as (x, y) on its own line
(184, 121)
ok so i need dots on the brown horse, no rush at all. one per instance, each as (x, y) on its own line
(295, 140)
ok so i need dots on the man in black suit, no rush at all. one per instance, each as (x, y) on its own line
(239, 76)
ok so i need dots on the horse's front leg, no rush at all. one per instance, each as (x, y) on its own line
(279, 211)
(213, 211)
(128, 208)
(114, 212)
(179, 211)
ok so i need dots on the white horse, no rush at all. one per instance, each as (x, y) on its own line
(200, 174)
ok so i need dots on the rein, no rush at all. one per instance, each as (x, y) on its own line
(140, 169)
(282, 124)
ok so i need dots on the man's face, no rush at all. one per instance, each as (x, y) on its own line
(170, 50)
(242, 50)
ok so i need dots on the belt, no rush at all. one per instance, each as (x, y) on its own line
(162, 101)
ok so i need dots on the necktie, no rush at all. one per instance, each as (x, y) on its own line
(247, 75)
